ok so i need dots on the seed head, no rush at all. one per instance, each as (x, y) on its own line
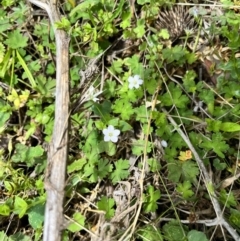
(176, 20)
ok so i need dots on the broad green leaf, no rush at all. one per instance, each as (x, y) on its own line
(36, 216)
(149, 232)
(150, 199)
(140, 29)
(76, 165)
(16, 40)
(19, 237)
(190, 170)
(83, 6)
(164, 34)
(195, 235)
(229, 127)
(107, 204)
(184, 189)
(20, 206)
(174, 231)
(108, 147)
(27, 154)
(78, 224)
(121, 170)
(4, 210)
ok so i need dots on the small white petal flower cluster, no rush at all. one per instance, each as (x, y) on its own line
(111, 134)
(135, 81)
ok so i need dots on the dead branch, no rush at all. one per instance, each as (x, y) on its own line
(58, 149)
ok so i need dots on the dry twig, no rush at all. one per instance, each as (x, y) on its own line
(58, 149)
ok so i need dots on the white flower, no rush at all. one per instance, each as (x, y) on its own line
(164, 143)
(92, 94)
(198, 106)
(135, 81)
(111, 134)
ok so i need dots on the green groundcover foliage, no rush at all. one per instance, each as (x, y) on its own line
(141, 73)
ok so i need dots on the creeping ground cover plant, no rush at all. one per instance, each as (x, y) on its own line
(153, 149)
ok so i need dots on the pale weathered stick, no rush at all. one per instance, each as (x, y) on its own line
(58, 149)
(220, 220)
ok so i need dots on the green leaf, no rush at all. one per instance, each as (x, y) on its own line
(216, 144)
(107, 204)
(142, 2)
(164, 34)
(154, 164)
(229, 127)
(126, 19)
(140, 29)
(195, 235)
(135, 65)
(124, 126)
(174, 97)
(235, 218)
(104, 168)
(220, 166)
(117, 66)
(20, 206)
(19, 237)
(184, 189)
(139, 145)
(108, 147)
(121, 170)
(102, 109)
(4, 25)
(76, 165)
(190, 170)
(213, 125)
(64, 23)
(4, 210)
(188, 81)
(176, 53)
(36, 216)
(3, 236)
(27, 70)
(174, 171)
(227, 198)
(142, 114)
(174, 231)
(27, 154)
(87, 4)
(124, 108)
(4, 116)
(78, 224)
(149, 232)
(16, 40)
(150, 199)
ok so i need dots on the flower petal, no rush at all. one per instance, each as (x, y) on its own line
(114, 139)
(110, 128)
(116, 132)
(140, 81)
(130, 79)
(107, 138)
(136, 77)
(105, 132)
